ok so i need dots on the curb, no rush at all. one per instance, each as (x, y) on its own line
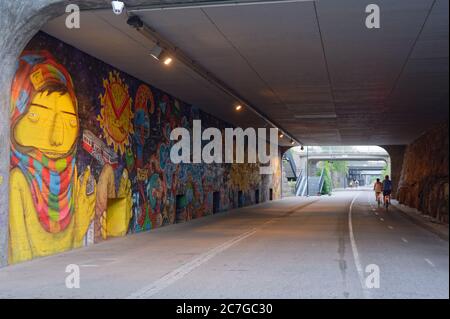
(418, 218)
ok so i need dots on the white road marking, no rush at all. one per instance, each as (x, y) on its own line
(429, 262)
(382, 219)
(88, 265)
(356, 259)
(390, 227)
(376, 213)
(404, 240)
(176, 274)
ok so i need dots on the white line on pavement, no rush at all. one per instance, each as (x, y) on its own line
(358, 265)
(88, 265)
(429, 262)
(176, 274)
(390, 227)
(404, 240)
(382, 219)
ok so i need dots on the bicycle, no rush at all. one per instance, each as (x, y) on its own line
(379, 200)
(387, 201)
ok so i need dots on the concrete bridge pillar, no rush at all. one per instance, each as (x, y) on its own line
(396, 153)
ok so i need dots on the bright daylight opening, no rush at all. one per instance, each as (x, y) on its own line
(322, 170)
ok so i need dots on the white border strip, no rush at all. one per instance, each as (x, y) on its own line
(356, 259)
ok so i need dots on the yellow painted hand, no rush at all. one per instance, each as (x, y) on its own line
(84, 206)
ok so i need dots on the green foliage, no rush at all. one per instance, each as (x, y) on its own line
(386, 171)
(327, 183)
(331, 167)
(339, 167)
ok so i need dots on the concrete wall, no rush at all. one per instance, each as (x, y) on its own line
(115, 176)
(396, 154)
(20, 20)
(424, 176)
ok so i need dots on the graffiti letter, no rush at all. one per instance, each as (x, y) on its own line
(213, 147)
(262, 144)
(373, 279)
(373, 19)
(240, 144)
(183, 145)
(73, 279)
(73, 18)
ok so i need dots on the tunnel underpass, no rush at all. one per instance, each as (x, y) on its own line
(94, 103)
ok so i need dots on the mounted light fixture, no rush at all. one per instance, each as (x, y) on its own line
(281, 135)
(292, 142)
(135, 22)
(238, 107)
(167, 60)
(161, 55)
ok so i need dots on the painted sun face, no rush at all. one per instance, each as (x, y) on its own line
(50, 125)
(116, 115)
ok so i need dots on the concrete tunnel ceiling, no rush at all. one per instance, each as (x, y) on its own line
(310, 66)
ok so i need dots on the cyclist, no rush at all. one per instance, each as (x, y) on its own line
(378, 188)
(387, 189)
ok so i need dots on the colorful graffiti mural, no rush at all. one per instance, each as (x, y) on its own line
(90, 156)
(51, 206)
(115, 115)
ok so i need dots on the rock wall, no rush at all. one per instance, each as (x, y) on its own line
(424, 177)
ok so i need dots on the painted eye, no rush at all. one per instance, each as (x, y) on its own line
(33, 116)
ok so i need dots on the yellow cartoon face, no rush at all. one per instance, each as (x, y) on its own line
(116, 115)
(50, 125)
(118, 123)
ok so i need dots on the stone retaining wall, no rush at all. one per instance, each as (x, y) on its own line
(424, 177)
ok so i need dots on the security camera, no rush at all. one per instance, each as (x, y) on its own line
(117, 6)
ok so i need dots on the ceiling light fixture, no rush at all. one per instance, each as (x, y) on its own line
(135, 22)
(238, 107)
(167, 60)
(161, 55)
(281, 135)
(292, 142)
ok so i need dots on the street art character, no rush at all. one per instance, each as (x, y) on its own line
(144, 106)
(50, 206)
(116, 114)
